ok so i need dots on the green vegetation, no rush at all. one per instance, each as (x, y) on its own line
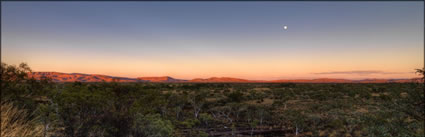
(213, 109)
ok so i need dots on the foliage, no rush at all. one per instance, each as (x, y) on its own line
(152, 126)
(205, 109)
(17, 122)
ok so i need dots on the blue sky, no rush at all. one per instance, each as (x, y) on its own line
(205, 39)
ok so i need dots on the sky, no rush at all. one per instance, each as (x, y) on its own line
(351, 40)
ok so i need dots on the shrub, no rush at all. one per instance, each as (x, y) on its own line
(152, 126)
(16, 122)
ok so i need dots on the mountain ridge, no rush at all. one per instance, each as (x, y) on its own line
(161, 79)
(81, 77)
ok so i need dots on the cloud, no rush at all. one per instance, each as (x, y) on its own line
(361, 72)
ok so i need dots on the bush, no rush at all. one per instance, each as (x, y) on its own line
(152, 126)
(16, 122)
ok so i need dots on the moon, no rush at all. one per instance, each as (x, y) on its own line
(285, 27)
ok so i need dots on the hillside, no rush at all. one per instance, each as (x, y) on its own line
(71, 77)
(161, 79)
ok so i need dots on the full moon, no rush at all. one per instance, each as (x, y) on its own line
(285, 27)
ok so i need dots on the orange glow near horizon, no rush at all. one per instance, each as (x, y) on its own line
(253, 68)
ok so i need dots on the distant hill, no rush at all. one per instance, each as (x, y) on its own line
(161, 79)
(72, 77)
(222, 79)
(321, 80)
(389, 80)
(329, 80)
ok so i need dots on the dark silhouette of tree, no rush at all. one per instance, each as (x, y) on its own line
(421, 72)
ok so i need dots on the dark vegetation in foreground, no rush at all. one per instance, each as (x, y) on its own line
(209, 109)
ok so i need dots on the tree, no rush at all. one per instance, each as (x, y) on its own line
(297, 119)
(253, 124)
(262, 112)
(421, 72)
(178, 102)
(13, 80)
(197, 101)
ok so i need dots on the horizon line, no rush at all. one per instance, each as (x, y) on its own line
(369, 78)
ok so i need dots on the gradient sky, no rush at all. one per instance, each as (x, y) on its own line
(351, 40)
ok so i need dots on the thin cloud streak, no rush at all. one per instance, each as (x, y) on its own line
(361, 72)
